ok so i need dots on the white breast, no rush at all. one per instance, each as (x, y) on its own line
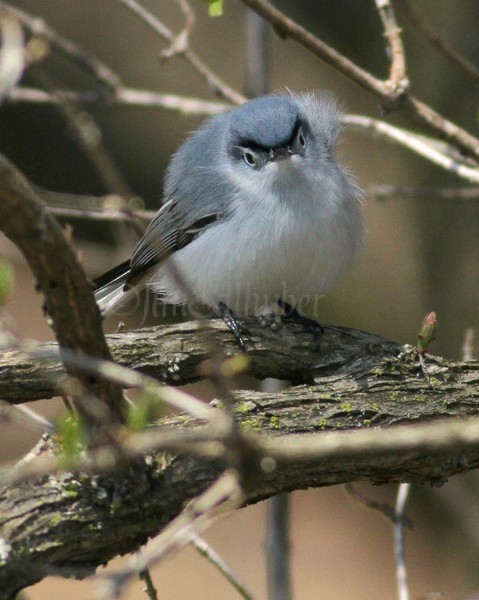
(293, 244)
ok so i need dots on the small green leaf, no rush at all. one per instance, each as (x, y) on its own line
(147, 409)
(6, 280)
(73, 437)
(215, 7)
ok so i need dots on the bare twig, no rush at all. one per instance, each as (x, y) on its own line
(397, 76)
(219, 563)
(181, 104)
(175, 398)
(111, 80)
(123, 97)
(418, 144)
(430, 438)
(26, 416)
(108, 215)
(382, 191)
(149, 585)
(181, 41)
(203, 443)
(468, 346)
(215, 82)
(278, 548)
(437, 42)
(401, 570)
(257, 60)
(383, 507)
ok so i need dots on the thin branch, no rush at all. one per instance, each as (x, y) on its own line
(107, 215)
(413, 142)
(173, 397)
(181, 40)
(382, 507)
(383, 191)
(25, 416)
(109, 208)
(437, 42)
(219, 563)
(257, 54)
(213, 81)
(401, 570)
(123, 97)
(414, 108)
(468, 346)
(150, 589)
(439, 437)
(181, 104)
(278, 548)
(397, 76)
(75, 316)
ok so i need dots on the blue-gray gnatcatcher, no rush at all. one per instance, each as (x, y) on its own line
(257, 214)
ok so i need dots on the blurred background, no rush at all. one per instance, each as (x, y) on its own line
(421, 254)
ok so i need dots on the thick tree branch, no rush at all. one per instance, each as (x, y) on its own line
(25, 219)
(68, 524)
(174, 354)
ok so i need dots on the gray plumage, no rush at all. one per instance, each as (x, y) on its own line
(256, 209)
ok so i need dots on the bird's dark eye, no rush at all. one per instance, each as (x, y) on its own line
(250, 158)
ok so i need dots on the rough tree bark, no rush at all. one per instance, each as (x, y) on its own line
(70, 523)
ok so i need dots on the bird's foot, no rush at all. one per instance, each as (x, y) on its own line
(237, 327)
(291, 314)
(271, 321)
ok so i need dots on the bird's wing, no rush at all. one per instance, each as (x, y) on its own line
(170, 230)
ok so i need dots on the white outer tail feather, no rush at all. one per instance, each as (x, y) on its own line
(112, 295)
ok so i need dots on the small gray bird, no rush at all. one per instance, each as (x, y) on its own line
(257, 214)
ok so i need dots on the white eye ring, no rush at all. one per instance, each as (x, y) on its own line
(249, 158)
